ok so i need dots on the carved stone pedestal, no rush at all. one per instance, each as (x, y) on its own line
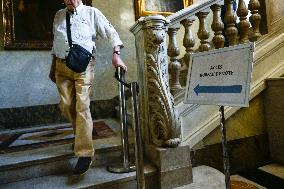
(173, 164)
(158, 116)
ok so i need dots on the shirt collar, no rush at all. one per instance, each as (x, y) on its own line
(78, 9)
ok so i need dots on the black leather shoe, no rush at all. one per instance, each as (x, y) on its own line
(83, 165)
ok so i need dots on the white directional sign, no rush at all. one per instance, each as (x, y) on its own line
(221, 76)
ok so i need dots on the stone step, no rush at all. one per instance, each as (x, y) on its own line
(205, 177)
(265, 177)
(58, 159)
(274, 169)
(97, 177)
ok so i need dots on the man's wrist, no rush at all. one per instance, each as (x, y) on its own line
(116, 48)
(116, 52)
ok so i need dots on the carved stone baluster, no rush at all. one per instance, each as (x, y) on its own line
(188, 40)
(230, 19)
(203, 33)
(242, 12)
(188, 43)
(254, 19)
(217, 26)
(175, 65)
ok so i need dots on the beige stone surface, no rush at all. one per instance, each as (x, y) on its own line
(274, 169)
(205, 177)
(274, 105)
(245, 123)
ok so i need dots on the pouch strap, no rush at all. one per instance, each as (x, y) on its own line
(68, 28)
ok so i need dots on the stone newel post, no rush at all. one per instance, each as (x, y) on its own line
(159, 119)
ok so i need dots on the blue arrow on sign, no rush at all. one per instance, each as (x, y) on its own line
(218, 89)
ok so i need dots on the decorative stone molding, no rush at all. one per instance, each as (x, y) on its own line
(192, 10)
(159, 118)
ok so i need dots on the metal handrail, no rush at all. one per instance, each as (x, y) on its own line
(126, 167)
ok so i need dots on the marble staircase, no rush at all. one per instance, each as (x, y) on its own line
(50, 166)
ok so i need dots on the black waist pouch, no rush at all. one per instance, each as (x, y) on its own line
(78, 58)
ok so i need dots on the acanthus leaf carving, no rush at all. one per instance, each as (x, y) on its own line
(164, 124)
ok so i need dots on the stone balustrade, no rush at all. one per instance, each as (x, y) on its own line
(161, 68)
(229, 33)
(161, 74)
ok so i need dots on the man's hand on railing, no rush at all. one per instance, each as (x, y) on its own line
(117, 62)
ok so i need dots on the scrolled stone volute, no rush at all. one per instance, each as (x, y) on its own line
(160, 120)
(155, 38)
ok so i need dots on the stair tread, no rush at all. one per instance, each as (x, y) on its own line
(9, 160)
(46, 154)
(274, 169)
(97, 176)
(268, 176)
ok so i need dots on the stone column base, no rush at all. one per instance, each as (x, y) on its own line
(173, 164)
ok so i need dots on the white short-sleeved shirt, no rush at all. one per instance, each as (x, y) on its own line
(86, 23)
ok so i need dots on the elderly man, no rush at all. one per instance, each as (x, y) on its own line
(86, 23)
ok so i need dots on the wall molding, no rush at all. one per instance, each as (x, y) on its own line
(268, 45)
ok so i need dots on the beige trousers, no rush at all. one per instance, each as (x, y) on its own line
(74, 90)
